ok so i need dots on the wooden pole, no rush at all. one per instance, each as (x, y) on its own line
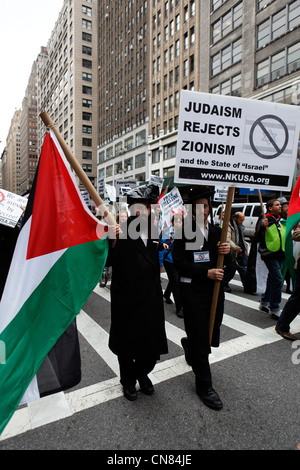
(220, 262)
(262, 206)
(78, 170)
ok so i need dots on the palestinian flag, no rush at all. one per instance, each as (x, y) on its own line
(58, 260)
(165, 191)
(292, 221)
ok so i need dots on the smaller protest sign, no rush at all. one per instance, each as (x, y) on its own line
(171, 203)
(11, 207)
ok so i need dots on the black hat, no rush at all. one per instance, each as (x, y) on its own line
(199, 193)
(148, 193)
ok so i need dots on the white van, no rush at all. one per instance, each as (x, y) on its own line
(252, 211)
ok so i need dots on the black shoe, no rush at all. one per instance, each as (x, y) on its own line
(227, 288)
(146, 385)
(179, 313)
(210, 398)
(130, 392)
(184, 342)
(168, 300)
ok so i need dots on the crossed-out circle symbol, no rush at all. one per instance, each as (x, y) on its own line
(2, 197)
(277, 149)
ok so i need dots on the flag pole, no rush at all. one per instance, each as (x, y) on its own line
(78, 170)
(220, 261)
(262, 206)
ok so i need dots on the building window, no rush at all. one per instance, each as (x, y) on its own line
(86, 142)
(87, 155)
(278, 65)
(86, 129)
(227, 57)
(86, 37)
(86, 50)
(87, 63)
(278, 24)
(87, 103)
(155, 156)
(87, 90)
(87, 76)
(87, 24)
(169, 151)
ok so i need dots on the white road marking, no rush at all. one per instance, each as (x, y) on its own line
(61, 405)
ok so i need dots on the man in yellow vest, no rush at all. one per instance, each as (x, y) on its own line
(271, 247)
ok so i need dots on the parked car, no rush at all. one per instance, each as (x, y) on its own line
(252, 211)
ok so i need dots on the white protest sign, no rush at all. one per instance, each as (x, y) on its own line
(172, 201)
(111, 192)
(236, 141)
(86, 197)
(220, 193)
(125, 183)
(101, 187)
(11, 207)
(154, 179)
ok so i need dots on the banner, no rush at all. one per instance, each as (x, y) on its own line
(237, 142)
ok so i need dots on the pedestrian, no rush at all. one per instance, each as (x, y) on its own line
(137, 333)
(238, 245)
(271, 248)
(197, 270)
(292, 307)
(173, 284)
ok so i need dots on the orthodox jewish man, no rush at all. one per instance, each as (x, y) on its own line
(137, 333)
(197, 270)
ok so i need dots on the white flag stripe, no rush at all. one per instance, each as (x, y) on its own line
(24, 276)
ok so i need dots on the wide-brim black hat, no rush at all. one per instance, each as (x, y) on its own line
(148, 193)
(200, 193)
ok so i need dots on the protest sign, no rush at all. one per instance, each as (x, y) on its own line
(220, 193)
(11, 207)
(125, 183)
(172, 201)
(236, 141)
(101, 187)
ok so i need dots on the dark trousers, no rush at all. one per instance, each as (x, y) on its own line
(173, 285)
(292, 307)
(132, 369)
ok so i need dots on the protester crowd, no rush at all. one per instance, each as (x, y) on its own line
(142, 245)
(137, 333)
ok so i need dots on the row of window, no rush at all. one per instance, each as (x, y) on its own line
(278, 65)
(279, 23)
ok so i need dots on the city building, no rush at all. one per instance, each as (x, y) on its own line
(11, 156)
(67, 81)
(29, 150)
(241, 48)
(124, 78)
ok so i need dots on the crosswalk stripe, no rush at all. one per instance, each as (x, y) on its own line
(61, 405)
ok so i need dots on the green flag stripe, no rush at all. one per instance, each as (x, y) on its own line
(44, 317)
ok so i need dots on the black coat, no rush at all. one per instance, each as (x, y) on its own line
(197, 295)
(137, 311)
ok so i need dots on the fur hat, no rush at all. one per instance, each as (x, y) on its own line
(148, 193)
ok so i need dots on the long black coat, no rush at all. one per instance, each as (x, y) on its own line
(137, 311)
(197, 295)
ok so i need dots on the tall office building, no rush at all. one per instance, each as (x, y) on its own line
(67, 82)
(11, 156)
(123, 89)
(247, 48)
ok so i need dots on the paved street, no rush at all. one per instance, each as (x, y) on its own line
(255, 371)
